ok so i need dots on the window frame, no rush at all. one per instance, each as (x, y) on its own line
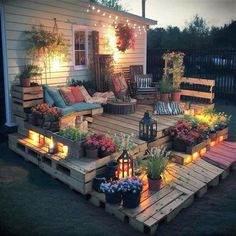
(85, 29)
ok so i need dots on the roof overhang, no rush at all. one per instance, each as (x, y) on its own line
(134, 17)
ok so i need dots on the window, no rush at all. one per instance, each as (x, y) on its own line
(80, 47)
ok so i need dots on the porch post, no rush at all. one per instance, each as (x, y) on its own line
(9, 120)
(145, 53)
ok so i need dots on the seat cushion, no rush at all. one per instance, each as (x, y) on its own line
(85, 106)
(67, 95)
(47, 98)
(67, 110)
(77, 94)
(56, 96)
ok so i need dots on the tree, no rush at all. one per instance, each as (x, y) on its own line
(115, 4)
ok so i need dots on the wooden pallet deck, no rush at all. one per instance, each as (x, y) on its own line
(222, 155)
(182, 184)
(129, 124)
(78, 173)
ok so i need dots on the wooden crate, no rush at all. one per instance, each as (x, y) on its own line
(27, 96)
(198, 147)
(199, 94)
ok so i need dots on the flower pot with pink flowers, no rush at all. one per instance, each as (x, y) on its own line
(106, 146)
(91, 146)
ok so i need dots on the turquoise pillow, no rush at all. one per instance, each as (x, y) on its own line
(56, 96)
(47, 98)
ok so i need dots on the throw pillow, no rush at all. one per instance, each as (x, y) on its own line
(67, 95)
(56, 96)
(167, 108)
(86, 95)
(77, 94)
(47, 98)
(120, 85)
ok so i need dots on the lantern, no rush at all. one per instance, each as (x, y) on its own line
(125, 165)
(147, 128)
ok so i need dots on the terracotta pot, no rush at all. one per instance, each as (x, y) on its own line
(154, 184)
(25, 82)
(175, 96)
(91, 153)
(165, 97)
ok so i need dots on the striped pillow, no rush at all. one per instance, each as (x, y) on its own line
(167, 108)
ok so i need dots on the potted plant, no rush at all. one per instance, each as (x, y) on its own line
(154, 165)
(27, 73)
(106, 146)
(112, 169)
(112, 191)
(51, 119)
(131, 191)
(38, 114)
(91, 146)
(165, 89)
(97, 181)
(175, 67)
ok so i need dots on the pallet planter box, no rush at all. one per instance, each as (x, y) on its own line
(221, 133)
(75, 149)
(197, 148)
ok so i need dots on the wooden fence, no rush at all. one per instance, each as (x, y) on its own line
(219, 65)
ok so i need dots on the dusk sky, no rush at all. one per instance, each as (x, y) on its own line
(177, 12)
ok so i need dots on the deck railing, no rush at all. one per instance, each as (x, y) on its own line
(217, 64)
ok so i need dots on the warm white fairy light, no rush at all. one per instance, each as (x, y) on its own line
(124, 21)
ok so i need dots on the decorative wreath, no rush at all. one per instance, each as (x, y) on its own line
(124, 37)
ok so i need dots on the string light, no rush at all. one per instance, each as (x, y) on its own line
(141, 28)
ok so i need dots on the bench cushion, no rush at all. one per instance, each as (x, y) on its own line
(56, 96)
(47, 98)
(85, 106)
(67, 110)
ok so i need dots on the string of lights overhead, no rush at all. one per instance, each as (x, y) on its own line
(115, 20)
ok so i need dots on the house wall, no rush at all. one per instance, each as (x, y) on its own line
(21, 15)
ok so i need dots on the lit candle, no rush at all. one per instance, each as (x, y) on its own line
(51, 148)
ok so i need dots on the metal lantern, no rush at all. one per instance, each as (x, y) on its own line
(125, 165)
(147, 128)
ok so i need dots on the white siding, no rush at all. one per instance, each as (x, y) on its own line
(21, 15)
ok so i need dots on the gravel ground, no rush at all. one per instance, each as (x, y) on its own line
(33, 203)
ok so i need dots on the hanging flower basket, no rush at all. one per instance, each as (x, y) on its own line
(124, 37)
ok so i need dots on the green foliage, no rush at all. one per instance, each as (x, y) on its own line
(165, 85)
(156, 162)
(47, 43)
(115, 4)
(124, 142)
(73, 134)
(29, 71)
(175, 67)
(196, 34)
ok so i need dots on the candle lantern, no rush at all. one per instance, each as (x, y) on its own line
(51, 146)
(147, 128)
(125, 165)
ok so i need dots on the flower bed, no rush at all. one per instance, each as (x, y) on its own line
(194, 133)
(189, 138)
